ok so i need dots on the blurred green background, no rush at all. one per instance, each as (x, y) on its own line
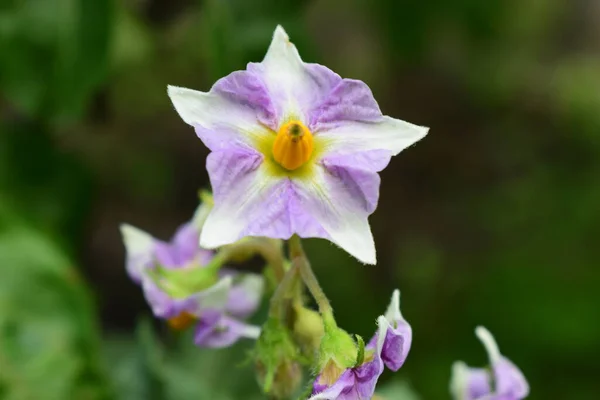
(492, 219)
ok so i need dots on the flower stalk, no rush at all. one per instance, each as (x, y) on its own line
(308, 276)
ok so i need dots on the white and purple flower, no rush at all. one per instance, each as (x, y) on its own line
(217, 311)
(503, 381)
(295, 149)
(389, 348)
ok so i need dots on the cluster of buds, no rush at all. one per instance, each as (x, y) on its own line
(295, 153)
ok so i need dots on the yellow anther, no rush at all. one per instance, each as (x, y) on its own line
(181, 321)
(293, 145)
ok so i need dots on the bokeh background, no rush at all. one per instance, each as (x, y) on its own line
(493, 219)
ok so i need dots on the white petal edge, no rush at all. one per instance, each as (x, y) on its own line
(250, 331)
(458, 381)
(139, 246)
(489, 343)
(331, 393)
(200, 215)
(253, 285)
(210, 111)
(345, 226)
(393, 311)
(231, 215)
(213, 298)
(382, 328)
(389, 134)
(284, 74)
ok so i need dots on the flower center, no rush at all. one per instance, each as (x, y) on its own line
(181, 321)
(293, 145)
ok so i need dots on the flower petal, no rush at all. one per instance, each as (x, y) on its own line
(341, 201)
(386, 133)
(360, 184)
(214, 298)
(349, 100)
(139, 246)
(469, 383)
(294, 86)
(162, 305)
(508, 378)
(398, 335)
(245, 295)
(218, 330)
(219, 121)
(355, 383)
(247, 201)
(343, 388)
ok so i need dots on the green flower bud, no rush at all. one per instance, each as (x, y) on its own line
(338, 351)
(277, 360)
(307, 329)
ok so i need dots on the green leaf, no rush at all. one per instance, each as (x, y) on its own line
(53, 54)
(48, 334)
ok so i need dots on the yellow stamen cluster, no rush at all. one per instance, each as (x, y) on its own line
(293, 145)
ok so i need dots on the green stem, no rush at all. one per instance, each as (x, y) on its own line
(308, 276)
(282, 291)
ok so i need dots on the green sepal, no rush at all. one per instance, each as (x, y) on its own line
(183, 282)
(337, 346)
(277, 360)
(360, 358)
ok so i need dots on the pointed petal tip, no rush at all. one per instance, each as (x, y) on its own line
(488, 341)
(279, 30)
(129, 232)
(394, 307)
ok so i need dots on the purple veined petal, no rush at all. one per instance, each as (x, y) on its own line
(218, 330)
(469, 383)
(294, 86)
(361, 185)
(339, 390)
(219, 120)
(370, 160)
(250, 202)
(183, 249)
(508, 379)
(354, 384)
(247, 89)
(398, 335)
(349, 100)
(340, 201)
(390, 134)
(247, 200)
(139, 246)
(245, 295)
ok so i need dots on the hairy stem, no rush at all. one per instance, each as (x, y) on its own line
(278, 298)
(308, 276)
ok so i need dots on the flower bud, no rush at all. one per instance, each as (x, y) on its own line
(337, 352)
(277, 360)
(307, 329)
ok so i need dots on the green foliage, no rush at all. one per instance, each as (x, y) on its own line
(54, 53)
(48, 335)
(494, 220)
(144, 367)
